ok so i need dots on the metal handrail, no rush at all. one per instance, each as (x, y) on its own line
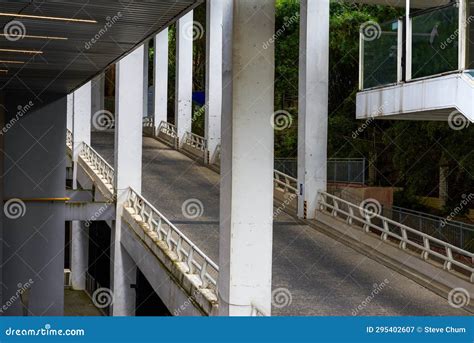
(195, 141)
(168, 129)
(285, 182)
(366, 219)
(103, 169)
(184, 249)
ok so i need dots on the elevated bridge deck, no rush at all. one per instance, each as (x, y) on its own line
(323, 276)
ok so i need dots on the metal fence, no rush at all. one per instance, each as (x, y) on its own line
(340, 170)
(456, 233)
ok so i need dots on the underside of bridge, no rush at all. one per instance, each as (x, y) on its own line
(145, 217)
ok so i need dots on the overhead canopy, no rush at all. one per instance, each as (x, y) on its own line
(55, 46)
(401, 3)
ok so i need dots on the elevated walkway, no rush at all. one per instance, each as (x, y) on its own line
(321, 275)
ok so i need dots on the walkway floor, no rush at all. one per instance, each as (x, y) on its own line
(323, 276)
(78, 303)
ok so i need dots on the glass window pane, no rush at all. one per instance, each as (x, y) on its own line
(380, 54)
(435, 42)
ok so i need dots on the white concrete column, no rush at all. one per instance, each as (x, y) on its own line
(246, 215)
(146, 47)
(161, 78)
(70, 111)
(184, 75)
(213, 78)
(98, 89)
(128, 170)
(81, 126)
(79, 254)
(313, 104)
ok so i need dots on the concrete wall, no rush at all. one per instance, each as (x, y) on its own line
(33, 246)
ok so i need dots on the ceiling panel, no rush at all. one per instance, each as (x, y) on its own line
(72, 52)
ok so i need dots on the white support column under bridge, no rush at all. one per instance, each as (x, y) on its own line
(184, 75)
(313, 104)
(246, 207)
(128, 170)
(161, 78)
(213, 78)
(80, 104)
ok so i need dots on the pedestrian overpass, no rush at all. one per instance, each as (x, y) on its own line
(204, 224)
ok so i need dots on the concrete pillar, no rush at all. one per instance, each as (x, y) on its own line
(79, 255)
(34, 235)
(70, 111)
(161, 78)
(97, 94)
(184, 75)
(146, 47)
(128, 170)
(81, 127)
(246, 215)
(213, 78)
(313, 104)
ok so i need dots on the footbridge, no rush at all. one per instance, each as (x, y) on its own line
(332, 265)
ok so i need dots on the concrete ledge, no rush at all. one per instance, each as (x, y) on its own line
(180, 291)
(405, 262)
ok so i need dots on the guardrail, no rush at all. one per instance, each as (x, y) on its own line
(168, 129)
(69, 139)
(186, 251)
(285, 182)
(100, 166)
(148, 122)
(429, 247)
(98, 294)
(195, 141)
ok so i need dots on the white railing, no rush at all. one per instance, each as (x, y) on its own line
(100, 166)
(430, 247)
(195, 141)
(168, 129)
(285, 182)
(148, 122)
(255, 312)
(69, 139)
(186, 251)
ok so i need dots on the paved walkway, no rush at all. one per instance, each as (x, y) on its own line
(323, 276)
(78, 303)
